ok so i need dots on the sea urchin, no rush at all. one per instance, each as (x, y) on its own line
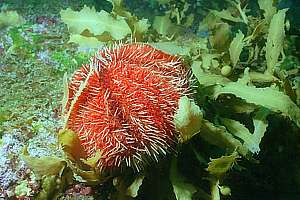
(123, 104)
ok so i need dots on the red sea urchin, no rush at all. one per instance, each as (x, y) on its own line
(123, 104)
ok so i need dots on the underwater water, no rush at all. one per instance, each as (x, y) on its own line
(150, 100)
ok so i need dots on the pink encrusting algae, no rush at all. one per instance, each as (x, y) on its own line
(123, 104)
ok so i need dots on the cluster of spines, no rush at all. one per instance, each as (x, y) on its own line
(127, 105)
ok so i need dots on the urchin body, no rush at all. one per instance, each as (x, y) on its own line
(123, 104)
